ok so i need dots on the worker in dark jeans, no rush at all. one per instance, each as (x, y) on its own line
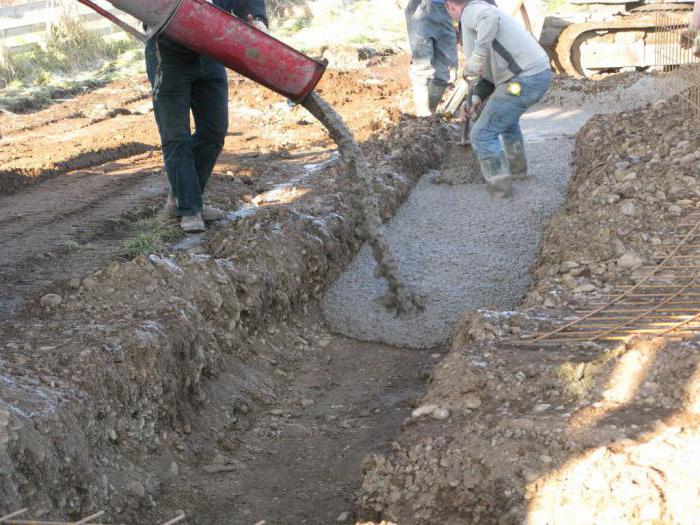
(185, 81)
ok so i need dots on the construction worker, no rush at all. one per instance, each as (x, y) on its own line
(690, 38)
(185, 81)
(433, 42)
(511, 68)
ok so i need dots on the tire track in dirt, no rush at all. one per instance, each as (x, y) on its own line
(41, 221)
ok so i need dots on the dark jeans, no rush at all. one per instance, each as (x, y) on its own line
(189, 82)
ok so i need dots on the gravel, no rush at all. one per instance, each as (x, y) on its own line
(461, 249)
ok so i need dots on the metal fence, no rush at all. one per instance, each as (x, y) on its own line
(675, 47)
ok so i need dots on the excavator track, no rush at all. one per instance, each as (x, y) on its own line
(567, 47)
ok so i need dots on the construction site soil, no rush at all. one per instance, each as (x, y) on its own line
(202, 376)
(574, 433)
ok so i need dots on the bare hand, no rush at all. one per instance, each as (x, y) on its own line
(257, 24)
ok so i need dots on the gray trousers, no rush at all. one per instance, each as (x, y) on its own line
(433, 42)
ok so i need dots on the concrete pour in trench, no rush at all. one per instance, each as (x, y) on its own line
(461, 249)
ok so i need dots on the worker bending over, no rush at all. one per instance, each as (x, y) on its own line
(433, 42)
(185, 81)
(513, 71)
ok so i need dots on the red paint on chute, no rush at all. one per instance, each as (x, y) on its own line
(217, 34)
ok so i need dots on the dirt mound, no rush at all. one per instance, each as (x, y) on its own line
(123, 354)
(636, 173)
(578, 433)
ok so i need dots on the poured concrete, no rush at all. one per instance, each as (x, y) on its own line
(462, 249)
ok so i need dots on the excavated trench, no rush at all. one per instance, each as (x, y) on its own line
(208, 380)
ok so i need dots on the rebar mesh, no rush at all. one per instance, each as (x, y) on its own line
(672, 30)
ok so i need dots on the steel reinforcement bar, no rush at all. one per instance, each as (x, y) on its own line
(664, 302)
(15, 518)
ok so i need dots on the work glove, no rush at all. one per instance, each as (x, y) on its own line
(475, 66)
(257, 24)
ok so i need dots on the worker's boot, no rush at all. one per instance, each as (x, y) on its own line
(421, 98)
(193, 223)
(499, 181)
(435, 93)
(515, 153)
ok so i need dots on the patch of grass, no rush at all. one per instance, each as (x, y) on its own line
(150, 236)
(72, 60)
(316, 24)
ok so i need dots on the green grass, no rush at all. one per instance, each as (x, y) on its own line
(72, 60)
(324, 23)
(150, 236)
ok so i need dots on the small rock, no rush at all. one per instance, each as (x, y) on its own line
(277, 412)
(305, 403)
(472, 402)
(216, 469)
(569, 281)
(567, 266)
(136, 488)
(628, 208)
(343, 517)
(175, 469)
(688, 160)
(90, 283)
(585, 288)
(612, 198)
(51, 300)
(675, 210)
(630, 260)
(433, 411)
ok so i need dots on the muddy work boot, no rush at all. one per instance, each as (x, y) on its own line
(435, 93)
(517, 161)
(421, 99)
(193, 223)
(499, 181)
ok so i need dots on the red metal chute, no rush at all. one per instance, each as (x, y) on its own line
(210, 31)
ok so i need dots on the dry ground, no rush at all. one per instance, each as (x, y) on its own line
(142, 393)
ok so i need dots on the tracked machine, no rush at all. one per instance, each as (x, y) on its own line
(615, 36)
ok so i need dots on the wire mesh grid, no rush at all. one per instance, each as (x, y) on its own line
(674, 52)
(666, 301)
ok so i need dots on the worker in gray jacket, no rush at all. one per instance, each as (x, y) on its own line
(513, 70)
(433, 42)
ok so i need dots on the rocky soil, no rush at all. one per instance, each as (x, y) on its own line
(116, 361)
(154, 384)
(576, 433)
